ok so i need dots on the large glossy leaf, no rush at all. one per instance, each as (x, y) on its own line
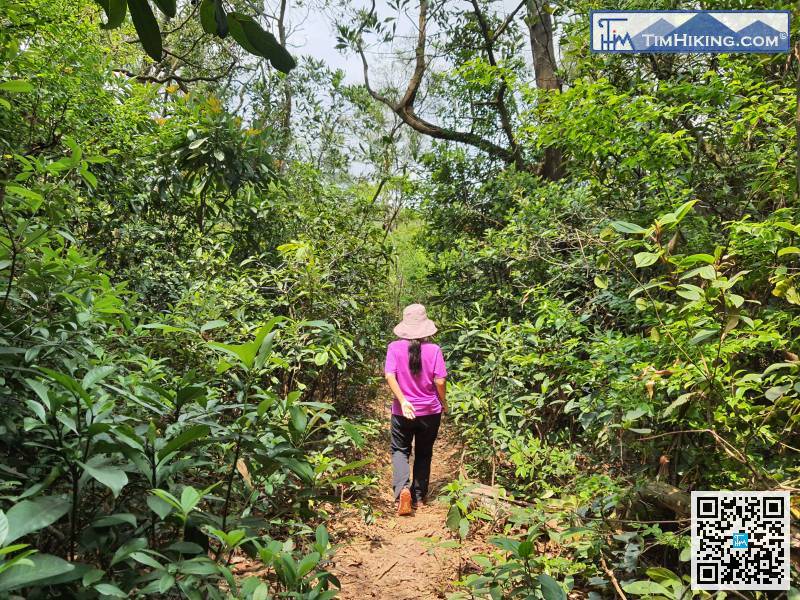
(453, 518)
(551, 589)
(147, 27)
(624, 227)
(253, 38)
(3, 528)
(110, 476)
(208, 17)
(33, 515)
(246, 353)
(96, 374)
(234, 21)
(184, 438)
(222, 19)
(115, 12)
(168, 7)
(300, 468)
(16, 86)
(646, 588)
(645, 259)
(42, 566)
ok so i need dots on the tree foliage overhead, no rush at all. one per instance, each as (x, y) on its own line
(214, 19)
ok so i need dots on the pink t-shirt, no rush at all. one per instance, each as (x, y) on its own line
(418, 389)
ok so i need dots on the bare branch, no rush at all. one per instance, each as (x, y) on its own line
(405, 107)
(500, 104)
(507, 22)
(176, 78)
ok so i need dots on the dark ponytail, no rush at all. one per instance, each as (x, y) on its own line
(415, 356)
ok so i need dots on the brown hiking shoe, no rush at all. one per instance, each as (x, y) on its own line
(404, 508)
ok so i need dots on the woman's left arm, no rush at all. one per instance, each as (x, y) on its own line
(441, 391)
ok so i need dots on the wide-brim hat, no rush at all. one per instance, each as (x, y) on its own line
(415, 323)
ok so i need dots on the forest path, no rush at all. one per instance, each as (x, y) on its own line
(389, 558)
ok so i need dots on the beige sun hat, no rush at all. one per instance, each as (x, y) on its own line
(415, 323)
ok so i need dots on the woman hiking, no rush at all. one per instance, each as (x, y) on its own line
(416, 374)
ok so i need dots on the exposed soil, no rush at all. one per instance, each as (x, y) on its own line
(389, 558)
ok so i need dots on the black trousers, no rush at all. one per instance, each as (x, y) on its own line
(422, 431)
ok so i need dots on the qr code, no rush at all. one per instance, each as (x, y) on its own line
(740, 540)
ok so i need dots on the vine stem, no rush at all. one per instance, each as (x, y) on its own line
(613, 578)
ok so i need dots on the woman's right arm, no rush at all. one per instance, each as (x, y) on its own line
(405, 405)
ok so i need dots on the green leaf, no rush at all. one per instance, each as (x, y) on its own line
(307, 563)
(168, 7)
(160, 506)
(110, 476)
(624, 227)
(96, 374)
(299, 418)
(690, 292)
(707, 272)
(300, 468)
(37, 409)
(252, 37)
(128, 548)
(222, 19)
(453, 518)
(601, 281)
(246, 353)
(736, 300)
(777, 391)
(35, 197)
(264, 348)
(146, 559)
(261, 592)
(3, 528)
(679, 401)
(92, 576)
(551, 589)
(40, 567)
(117, 519)
(788, 250)
(115, 13)
(147, 27)
(108, 589)
(16, 86)
(213, 325)
(186, 437)
(234, 21)
(646, 588)
(703, 335)
(33, 515)
(354, 433)
(165, 583)
(208, 17)
(695, 258)
(190, 497)
(683, 210)
(322, 537)
(645, 259)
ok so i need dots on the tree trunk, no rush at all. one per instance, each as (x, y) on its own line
(540, 25)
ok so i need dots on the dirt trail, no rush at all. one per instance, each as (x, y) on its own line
(387, 558)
